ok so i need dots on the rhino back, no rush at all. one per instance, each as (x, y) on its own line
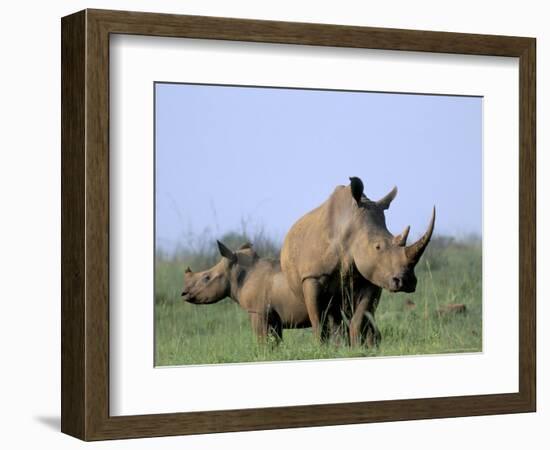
(255, 285)
(314, 245)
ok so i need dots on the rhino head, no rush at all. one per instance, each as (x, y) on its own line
(380, 257)
(214, 284)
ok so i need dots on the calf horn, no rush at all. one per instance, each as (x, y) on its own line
(414, 251)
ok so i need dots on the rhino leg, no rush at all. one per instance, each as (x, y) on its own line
(274, 326)
(363, 329)
(313, 290)
(358, 324)
(373, 336)
(267, 325)
(337, 330)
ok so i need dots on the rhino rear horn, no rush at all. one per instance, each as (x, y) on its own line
(415, 251)
(385, 201)
(401, 239)
(245, 246)
(226, 253)
(357, 188)
(188, 270)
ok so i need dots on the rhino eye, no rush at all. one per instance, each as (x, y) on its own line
(377, 246)
(206, 278)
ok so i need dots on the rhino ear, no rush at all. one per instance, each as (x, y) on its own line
(226, 253)
(385, 201)
(245, 246)
(188, 270)
(357, 188)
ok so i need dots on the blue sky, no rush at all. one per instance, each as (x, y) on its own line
(265, 156)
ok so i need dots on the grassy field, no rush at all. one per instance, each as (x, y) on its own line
(449, 272)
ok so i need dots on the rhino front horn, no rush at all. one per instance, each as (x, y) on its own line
(415, 251)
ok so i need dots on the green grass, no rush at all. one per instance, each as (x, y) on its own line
(221, 333)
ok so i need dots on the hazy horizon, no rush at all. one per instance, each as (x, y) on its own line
(265, 156)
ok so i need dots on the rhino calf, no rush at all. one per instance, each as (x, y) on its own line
(257, 284)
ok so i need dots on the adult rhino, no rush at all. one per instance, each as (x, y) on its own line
(343, 249)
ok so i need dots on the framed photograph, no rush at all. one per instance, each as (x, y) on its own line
(273, 225)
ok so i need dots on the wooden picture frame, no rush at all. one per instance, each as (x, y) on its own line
(85, 224)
